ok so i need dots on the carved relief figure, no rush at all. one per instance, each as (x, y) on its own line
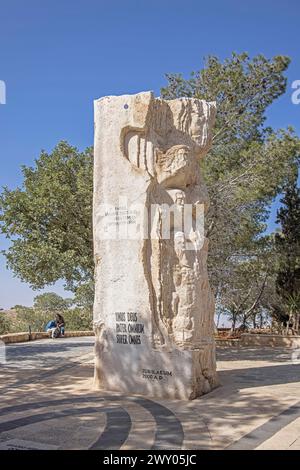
(169, 149)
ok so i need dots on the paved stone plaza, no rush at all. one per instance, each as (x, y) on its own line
(48, 403)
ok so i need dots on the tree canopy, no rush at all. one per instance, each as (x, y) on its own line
(49, 219)
(248, 165)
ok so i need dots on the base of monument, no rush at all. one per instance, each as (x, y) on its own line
(177, 374)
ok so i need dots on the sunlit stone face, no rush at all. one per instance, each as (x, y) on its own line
(153, 305)
(199, 128)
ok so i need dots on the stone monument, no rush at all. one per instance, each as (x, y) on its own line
(153, 310)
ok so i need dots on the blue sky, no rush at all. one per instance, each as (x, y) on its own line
(56, 57)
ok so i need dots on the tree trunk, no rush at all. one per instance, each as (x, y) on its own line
(218, 319)
(297, 323)
(287, 326)
(233, 324)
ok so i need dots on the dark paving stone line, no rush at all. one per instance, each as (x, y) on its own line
(259, 435)
(37, 418)
(168, 435)
(117, 429)
(169, 432)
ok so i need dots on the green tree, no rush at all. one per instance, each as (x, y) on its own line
(49, 219)
(79, 318)
(84, 296)
(242, 295)
(249, 163)
(27, 317)
(4, 323)
(287, 244)
(51, 303)
(45, 307)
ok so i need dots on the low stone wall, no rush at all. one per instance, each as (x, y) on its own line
(227, 342)
(14, 338)
(71, 334)
(248, 339)
(23, 337)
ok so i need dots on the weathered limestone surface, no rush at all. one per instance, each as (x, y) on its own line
(153, 311)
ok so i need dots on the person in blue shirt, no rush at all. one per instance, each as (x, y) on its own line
(51, 327)
(56, 327)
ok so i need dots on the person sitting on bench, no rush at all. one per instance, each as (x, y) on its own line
(60, 323)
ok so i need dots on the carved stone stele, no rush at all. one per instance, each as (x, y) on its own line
(154, 310)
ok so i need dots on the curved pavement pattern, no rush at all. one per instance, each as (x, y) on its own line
(169, 433)
(46, 359)
(48, 402)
